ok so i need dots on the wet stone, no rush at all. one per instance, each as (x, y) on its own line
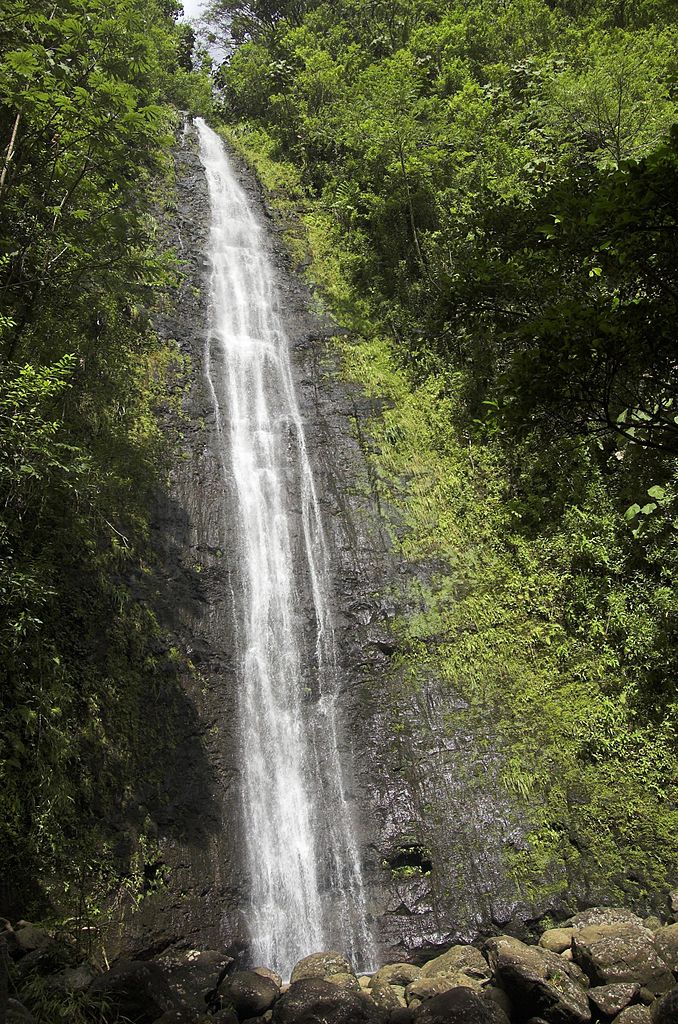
(610, 1000)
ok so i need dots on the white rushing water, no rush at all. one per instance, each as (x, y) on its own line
(306, 887)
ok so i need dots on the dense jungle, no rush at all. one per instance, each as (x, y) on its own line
(481, 199)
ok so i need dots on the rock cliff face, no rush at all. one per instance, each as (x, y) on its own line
(432, 828)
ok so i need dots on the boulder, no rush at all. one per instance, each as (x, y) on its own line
(314, 1000)
(557, 940)
(673, 900)
(193, 975)
(266, 972)
(603, 915)
(611, 953)
(665, 1010)
(396, 974)
(538, 982)
(320, 965)
(249, 993)
(345, 981)
(8, 939)
(364, 981)
(226, 1016)
(460, 1006)
(134, 989)
(498, 996)
(610, 1000)
(78, 979)
(387, 997)
(426, 988)
(72, 979)
(45, 961)
(666, 944)
(458, 960)
(30, 938)
(633, 1015)
(402, 1015)
(652, 922)
(184, 1016)
(18, 1014)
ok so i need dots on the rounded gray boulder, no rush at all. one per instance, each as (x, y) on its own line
(251, 993)
(460, 1006)
(316, 1001)
(134, 989)
(665, 1010)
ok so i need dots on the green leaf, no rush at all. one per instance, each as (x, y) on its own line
(656, 492)
(631, 512)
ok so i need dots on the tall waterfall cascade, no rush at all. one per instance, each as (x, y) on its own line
(302, 858)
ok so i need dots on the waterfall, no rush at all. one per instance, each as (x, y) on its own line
(302, 858)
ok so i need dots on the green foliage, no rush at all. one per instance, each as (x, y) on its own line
(488, 202)
(61, 1007)
(87, 116)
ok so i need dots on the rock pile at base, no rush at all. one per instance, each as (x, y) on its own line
(603, 966)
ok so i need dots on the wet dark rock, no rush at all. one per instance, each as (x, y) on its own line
(18, 1014)
(665, 1010)
(385, 996)
(666, 944)
(251, 994)
(266, 972)
(186, 1015)
(460, 1006)
(195, 526)
(634, 1015)
(557, 940)
(320, 965)
(8, 940)
(498, 996)
(623, 951)
(47, 960)
(72, 979)
(427, 988)
(538, 982)
(603, 915)
(396, 974)
(315, 1001)
(458, 960)
(30, 938)
(226, 1016)
(610, 1000)
(401, 1015)
(192, 974)
(348, 981)
(134, 989)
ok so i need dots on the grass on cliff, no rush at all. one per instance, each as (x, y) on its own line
(551, 618)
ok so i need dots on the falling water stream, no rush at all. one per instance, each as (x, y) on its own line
(306, 887)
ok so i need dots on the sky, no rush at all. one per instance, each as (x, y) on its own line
(192, 8)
